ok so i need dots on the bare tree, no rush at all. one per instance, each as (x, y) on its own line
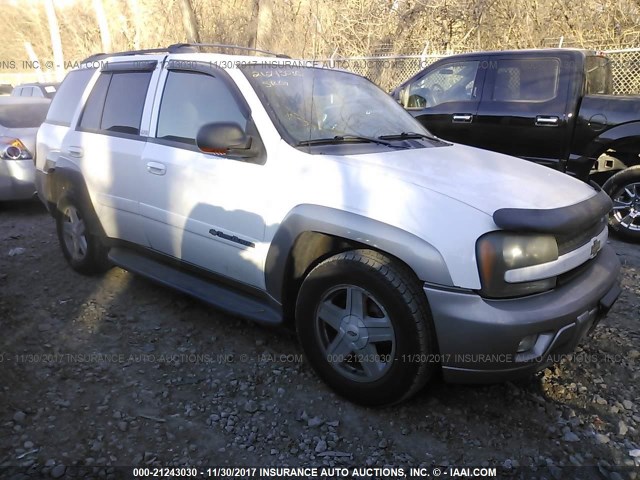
(105, 36)
(189, 21)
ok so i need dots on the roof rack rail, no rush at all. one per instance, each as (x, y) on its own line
(191, 47)
(179, 48)
(99, 56)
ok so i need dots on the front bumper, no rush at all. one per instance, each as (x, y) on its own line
(17, 179)
(478, 338)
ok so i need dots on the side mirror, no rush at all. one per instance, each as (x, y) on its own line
(223, 138)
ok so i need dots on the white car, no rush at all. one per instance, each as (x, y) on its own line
(19, 122)
(285, 192)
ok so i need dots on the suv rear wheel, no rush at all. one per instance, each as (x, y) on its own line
(364, 324)
(84, 251)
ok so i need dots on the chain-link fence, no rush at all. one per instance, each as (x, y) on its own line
(625, 65)
(390, 71)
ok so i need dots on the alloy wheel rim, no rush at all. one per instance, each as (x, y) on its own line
(355, 333)
(626, 206)
(74, 233)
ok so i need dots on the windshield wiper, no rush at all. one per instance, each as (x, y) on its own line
(408, 135)
(345, 139)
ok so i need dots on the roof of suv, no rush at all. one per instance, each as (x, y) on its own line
(183, 48)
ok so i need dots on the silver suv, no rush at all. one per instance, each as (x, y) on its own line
(283, 191)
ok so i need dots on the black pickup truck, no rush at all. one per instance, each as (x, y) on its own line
(551, 106)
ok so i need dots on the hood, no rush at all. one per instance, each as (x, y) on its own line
(484, 180)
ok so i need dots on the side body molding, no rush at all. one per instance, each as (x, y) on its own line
(425, 260)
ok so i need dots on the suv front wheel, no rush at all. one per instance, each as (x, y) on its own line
(84, 251)
(364, 324)
(624, 190)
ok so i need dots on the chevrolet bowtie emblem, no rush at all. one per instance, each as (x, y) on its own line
(595, 248)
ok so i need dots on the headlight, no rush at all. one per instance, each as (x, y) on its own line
(13, 149)
(497, 252)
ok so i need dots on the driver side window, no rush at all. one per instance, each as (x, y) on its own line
(191, 100)
(452, 82)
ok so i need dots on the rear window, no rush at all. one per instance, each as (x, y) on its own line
(125, 102)
(23, 115)
(598, 76)
(64, 104)
(526, 79)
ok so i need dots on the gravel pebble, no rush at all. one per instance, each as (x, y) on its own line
(570, 437)
(19, 417)
(58, 471)
(622, 428)
(314, 422)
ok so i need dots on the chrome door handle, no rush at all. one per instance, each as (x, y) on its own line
(76, 152)
(542, 121)
(156, 168)
(462, 117)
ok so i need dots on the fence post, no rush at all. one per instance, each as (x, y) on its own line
(423, 55)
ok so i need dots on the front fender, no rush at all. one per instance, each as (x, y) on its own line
(425, 260)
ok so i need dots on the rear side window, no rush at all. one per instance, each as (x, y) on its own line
(29, 115)
(116, 102)
(526, 79)
(65, 102)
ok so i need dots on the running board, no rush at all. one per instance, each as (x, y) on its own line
(219, 296)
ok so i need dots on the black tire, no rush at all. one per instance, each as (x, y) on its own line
(624, 190)
(85, 253)
(391, 295)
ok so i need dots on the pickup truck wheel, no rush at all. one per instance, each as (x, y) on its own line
(624, 190)
(365, 326)
(83, 251)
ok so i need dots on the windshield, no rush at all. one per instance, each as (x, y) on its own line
(308, 104)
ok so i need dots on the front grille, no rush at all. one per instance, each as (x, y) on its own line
(573, 240)
(567, 277)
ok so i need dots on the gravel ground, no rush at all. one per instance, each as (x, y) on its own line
(114, 370)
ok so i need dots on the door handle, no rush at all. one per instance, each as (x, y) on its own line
(76, 152)
(156, 168)
(543, 121)
(462, 117)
